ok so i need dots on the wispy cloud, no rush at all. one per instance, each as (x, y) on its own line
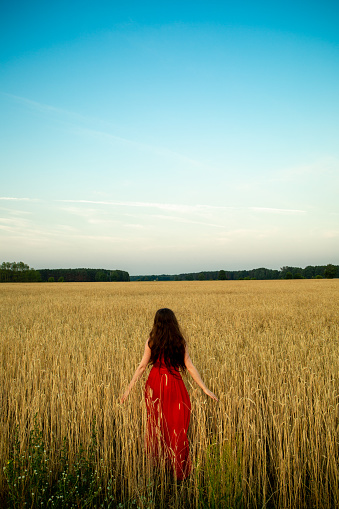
(14, 212)
(11, 198)
(174, 207)
(45, 108)
(331, 234)
(103, 135)
(184, 220)
(87, 213)
(180, 208)
(171, 207)
(316, 170)
(30, 230)
(161, 151)
(269, 210)
(16, 223)
(238, 234)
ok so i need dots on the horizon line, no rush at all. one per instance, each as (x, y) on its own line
(185, 273)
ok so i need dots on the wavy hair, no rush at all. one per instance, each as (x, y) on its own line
(166, 341)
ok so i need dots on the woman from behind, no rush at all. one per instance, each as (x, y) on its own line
(167, 400)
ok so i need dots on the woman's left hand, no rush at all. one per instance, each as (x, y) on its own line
(124, 397)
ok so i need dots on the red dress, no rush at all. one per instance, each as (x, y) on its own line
(168, 416)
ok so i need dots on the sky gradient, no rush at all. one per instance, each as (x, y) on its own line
(169, 137)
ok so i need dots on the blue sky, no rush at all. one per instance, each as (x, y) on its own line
(168, 137)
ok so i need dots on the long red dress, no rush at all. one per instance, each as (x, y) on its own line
(168, 416)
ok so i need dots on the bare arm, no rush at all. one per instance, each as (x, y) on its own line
(196, 377)
(139, 371)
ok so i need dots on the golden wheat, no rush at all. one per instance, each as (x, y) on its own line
(268, 349)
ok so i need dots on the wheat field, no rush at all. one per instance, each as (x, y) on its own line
(268, 349)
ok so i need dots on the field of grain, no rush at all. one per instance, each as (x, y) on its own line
(268, 349)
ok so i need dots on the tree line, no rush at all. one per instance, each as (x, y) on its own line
(309, 272)
(12, 272)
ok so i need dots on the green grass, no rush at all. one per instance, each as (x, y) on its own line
(32, 481)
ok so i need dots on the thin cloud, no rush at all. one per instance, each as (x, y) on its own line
(171, 207)
(270, 210)
(7, 228)
(86, 213)
(11, 198)
(316, 170)
(162, 151)
(66, 228)
(14, 212)
(136, 226)
(186, 221)
(245, 233)
(29, 232)
(168, 207)
(48, 109)
(8, 220)
(16, 223)
(108, 238)
(330, 234)
(44, 108)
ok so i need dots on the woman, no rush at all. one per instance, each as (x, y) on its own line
(167, 400)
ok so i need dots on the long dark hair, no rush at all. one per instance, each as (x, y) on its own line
(166, 340)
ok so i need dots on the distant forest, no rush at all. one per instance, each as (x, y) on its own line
(309, 272)
(11, 272)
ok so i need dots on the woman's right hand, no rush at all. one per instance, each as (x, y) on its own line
(211, 395)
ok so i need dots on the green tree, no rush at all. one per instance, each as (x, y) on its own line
(330, 271)
(34, 275)
(288, 275)
(51, 280)
(308, 272)
(61, 279)
(101, 275)
(18, 272)
(201, 276)
(5, 272)
(120, 275)
(222, 275)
